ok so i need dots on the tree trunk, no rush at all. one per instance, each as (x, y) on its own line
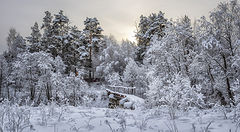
(32, 89)
(1, 76)
(90, 58)
(229, 92)
(32, 93)
(8, 92)
(48, 92)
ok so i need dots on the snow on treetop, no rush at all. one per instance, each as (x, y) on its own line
(60, 18)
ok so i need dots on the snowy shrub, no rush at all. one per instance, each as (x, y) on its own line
(135, 76)
(154, 93)
(130, 73)
(43, 115)
(75, 88)
(176, 93)
(114, 79)
(52, 108)
(68, 89)
(61, 112)
(142, 124)
(172, 126)
(236, 115)
(119, 118)
(14, 118)
(236, 91)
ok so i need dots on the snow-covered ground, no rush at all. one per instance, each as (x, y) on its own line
(98, 118)
(83, 119)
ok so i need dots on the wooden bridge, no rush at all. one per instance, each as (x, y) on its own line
(117, 93)
(122, 89)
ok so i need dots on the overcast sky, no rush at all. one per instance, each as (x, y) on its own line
(117, 17)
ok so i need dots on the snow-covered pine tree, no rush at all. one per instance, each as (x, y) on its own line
(93, 32)
(16, 44)
(60, 30)
(153, 25)
(114, 58)
(110, 59)
(47, 31)
(75, 51)
(183, 51)
(173, 53)
(11, 39)
(128, 49)
(35, 39)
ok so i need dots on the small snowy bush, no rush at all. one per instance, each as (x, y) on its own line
(14, 118)
(176, 93)
(114, 79)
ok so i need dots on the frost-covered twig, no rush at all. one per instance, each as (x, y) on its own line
(88, 126)
(172, 127)
(107, 122)
(237, 126)
(43, 116)
(142, 125)
(194, 127)
(62, 110)
(172, 112)
(207, 127)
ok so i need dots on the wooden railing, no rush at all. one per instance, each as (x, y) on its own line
(122, 89)
(128, 90)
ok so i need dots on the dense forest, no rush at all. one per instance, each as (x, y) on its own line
(56, 60)
(182, 64)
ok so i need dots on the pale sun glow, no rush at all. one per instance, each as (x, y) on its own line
(129, 34)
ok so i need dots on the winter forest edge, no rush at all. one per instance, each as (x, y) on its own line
(179, 69)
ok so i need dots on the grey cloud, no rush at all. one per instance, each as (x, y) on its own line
(116, 16)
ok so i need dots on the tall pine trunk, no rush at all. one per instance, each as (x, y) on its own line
(90, 58)
(228, 86)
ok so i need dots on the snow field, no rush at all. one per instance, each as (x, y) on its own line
(82, 119)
